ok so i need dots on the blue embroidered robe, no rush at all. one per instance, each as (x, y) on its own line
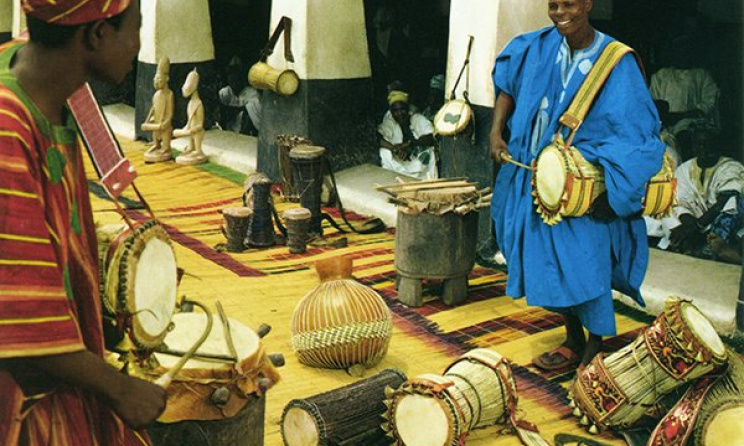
(572, 266)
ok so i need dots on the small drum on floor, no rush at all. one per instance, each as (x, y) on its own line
(235, 229)
(347, 416)
(215, 385)
(429, 410)
(485, 377)
(617, 390)
(307, 174)
(138, 283)
(297, 221)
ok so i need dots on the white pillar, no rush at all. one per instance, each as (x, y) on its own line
(182, 31)
(19, 19)
(6, 20)
(492, 23)
(331, 106)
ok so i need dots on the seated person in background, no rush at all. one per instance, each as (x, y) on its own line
(407, 140)
(691, 92)
(435, 101)
(240, 104)
(710, 191)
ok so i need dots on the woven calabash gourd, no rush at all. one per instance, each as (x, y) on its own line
(340, 323)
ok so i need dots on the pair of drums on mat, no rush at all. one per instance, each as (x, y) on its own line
(475, 391)
(680, 346)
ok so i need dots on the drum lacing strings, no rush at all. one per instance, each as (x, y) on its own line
(473, 421)
(651, 381)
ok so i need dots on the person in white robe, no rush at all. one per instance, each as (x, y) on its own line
(407, 140)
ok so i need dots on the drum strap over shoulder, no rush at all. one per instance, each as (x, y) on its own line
(582, 102)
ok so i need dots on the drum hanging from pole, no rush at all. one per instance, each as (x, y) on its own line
(307, 173)
(139, 281)
(347, 416)
(263, 76)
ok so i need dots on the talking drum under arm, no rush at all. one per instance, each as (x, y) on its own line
(565, 184)
(347, 416)
(617, 390)
(138, 283)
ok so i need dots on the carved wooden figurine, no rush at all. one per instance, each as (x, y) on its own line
(195, 125)
(159, 120)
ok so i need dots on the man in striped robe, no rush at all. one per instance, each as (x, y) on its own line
(55, 387)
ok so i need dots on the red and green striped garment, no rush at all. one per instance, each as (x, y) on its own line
(49, 286)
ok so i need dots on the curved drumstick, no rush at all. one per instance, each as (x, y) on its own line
(165, 380)
(510, 160)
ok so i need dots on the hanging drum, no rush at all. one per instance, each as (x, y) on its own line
(138, 283)
(340, 323)
(307, 175)
(617, 390)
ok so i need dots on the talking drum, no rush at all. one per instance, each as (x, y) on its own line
(216, 385)
(565, 184)
(340, 322)
(617, 390)
(709, 413)
(138, 283)
(347, 416)
(485, 377)
(453, 118)
(429, 410)
(307, 175)
(263, 76)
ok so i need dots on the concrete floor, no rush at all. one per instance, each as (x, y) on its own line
(712, 286)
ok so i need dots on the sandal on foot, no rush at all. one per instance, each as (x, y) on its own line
(569, 358)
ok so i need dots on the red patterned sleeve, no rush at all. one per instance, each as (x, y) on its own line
(36, 314)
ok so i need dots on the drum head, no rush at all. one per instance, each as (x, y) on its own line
(422, 421)
(152, 282)
(703, 330)
(299, 428)
(297, 214)
(188, 328)
(550, 177)
(288, 83)
(306, 152)
(453, 117)
(725, 426)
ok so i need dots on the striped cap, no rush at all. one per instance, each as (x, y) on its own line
(73, 12)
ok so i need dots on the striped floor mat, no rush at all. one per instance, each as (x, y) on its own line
(264, 285)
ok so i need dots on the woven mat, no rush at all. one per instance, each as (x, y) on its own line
(264, 285)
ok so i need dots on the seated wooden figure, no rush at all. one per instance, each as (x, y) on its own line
(195, 125)
(159, 119)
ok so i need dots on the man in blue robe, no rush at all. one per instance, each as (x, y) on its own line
(571, 267)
